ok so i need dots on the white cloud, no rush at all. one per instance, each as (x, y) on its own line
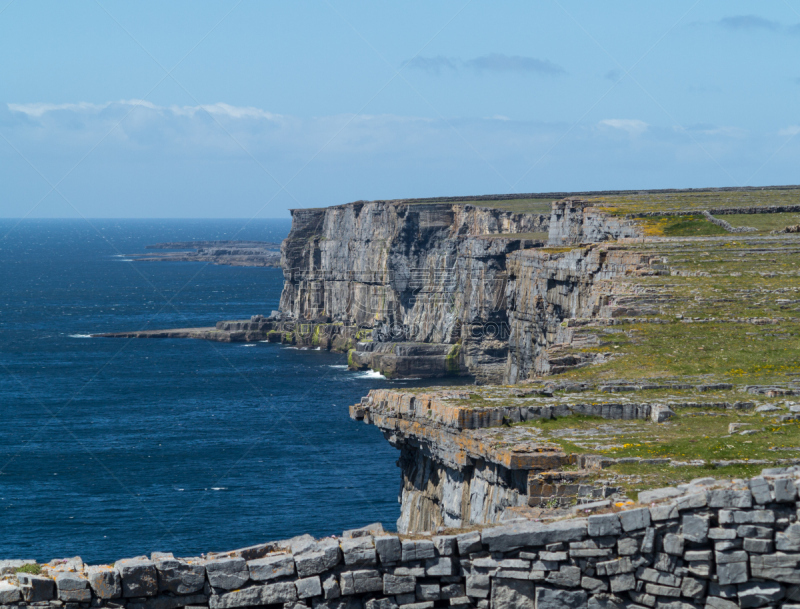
(38, 110)
(631, 125)
(791, 130)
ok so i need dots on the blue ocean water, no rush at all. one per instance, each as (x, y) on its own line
(112, 448)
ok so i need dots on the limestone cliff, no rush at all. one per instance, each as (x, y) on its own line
(427, 279)
(442, 289)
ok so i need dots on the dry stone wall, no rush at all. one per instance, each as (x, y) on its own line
(706, 544)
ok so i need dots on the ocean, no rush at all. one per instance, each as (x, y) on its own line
(113, 448)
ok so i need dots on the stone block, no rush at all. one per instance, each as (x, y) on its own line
(324, 556)
(758, 546)
(549, 598)
(788, 540)
(622, 582)
(642, 598)
(417, 549)
(9, 593)
(615, 567)
(754, 531)
(784, 568)
(552, 556)
(601, 525)
(759, 594)
(633, 520)
(478, 585)
(673, 544)
(359, 551)
(567, 577)
(446, 545)
(720, 533)
(106, 582)
(469, 543)
(728, 498)
(753, 517)
(399, 584)
(532, 534)
(724, 558)
(168, 602)
(512, 594)
(659, 494)
(460, 602)
(693, 588)
(692, 501)
(179, 577)
(665, 562)
(759, 487)
(271, 567)
(714, 602)
(308, 587)
(697, 555)
(360, 582)
(435, 567)
(139, 577)
(268, 594)
(732, 573)
(785, 490)
(452, 591)
(695, 528)
(225, 573)
(627, 546)
(649, 541)
(663, 511)
(658, 577)
(330, 587)
(73, 588)
(427, 591)
(380, 603)
(659, 590)
(593, 584)
(388, 548)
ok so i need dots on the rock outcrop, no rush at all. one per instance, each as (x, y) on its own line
(428, 274)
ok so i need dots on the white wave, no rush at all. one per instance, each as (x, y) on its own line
(80, 336)
(370, 374)
(125, 260)
(340, 367)
(219, 488)
(249, 345)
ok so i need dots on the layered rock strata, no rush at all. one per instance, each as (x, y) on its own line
(431, 276)
(460, 466)
(705, 544)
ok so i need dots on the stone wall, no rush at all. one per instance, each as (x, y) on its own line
(707, 544)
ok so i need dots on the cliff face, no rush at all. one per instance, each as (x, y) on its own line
(547, 289)
(442, 289)
(427, 279)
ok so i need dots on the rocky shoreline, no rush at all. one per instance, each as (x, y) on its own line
(230, 253)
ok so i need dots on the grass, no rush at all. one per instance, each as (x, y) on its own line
(681, 226)
(690, 434)
(635, 477)
(33, 569)
(763, 222)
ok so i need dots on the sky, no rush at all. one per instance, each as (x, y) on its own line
(248, 108)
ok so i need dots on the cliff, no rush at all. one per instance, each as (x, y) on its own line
(428, 280)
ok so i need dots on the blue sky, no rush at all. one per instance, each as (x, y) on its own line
(249, 108)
